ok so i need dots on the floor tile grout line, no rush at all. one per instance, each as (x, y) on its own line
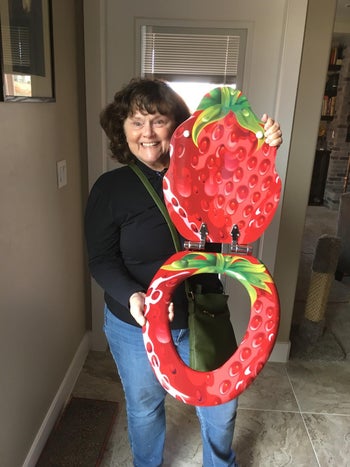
(302, 417)
(326, 413)
(305, 412)
(268, 410)
(292, 388)
(309, 436)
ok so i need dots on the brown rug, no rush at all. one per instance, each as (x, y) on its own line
(80, 435)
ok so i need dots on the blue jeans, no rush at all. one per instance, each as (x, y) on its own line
(145, 400)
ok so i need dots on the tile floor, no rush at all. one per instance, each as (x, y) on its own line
(294, 414)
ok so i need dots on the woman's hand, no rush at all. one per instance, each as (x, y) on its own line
(273, 133)
(137, 306)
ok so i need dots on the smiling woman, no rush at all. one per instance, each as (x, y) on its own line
(148, 137)
(128, 240)
(141, 103)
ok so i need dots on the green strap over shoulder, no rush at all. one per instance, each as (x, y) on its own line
(158, 202)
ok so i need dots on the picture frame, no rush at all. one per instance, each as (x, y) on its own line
(26, 51)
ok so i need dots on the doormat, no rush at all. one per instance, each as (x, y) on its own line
(80, 435)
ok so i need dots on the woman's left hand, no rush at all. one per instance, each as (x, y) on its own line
(272, 131)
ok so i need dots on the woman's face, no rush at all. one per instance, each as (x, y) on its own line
(148, 137)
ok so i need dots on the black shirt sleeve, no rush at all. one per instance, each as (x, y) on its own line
(103, 246)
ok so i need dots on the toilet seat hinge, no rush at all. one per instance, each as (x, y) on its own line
(235, 248)
(198, 245)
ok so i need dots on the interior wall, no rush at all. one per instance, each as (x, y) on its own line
(121, 33)
(317, 43)
(43, 290)
(275, 37)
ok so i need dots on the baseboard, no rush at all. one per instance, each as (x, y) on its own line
(280, 352)
(58, 402)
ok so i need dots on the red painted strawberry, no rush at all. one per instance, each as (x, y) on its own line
(222, 173)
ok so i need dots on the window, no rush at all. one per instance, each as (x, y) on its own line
(193, 60)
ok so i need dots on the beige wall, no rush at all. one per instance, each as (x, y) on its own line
(317, 43)
(42, 277)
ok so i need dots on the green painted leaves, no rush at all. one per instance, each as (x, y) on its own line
(251, 275)
(218, 103)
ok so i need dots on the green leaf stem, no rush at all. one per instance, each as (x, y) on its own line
(218, 103)
(251, 276)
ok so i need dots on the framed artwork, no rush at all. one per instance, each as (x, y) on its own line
(27, 73)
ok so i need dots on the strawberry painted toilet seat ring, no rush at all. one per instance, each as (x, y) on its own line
(233, 377)
(222, 187)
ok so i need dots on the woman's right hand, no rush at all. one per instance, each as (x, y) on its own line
(137, 306)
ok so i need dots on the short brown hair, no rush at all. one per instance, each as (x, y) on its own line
(144, 95)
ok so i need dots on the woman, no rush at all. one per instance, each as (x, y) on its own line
(128, 240)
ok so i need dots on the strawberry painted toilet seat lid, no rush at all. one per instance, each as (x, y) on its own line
(222, 172)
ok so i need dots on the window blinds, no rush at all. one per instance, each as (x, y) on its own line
(173, 54)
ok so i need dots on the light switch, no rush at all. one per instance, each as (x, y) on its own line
(62, 173)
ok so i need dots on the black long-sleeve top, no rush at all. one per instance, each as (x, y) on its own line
(128, 240)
